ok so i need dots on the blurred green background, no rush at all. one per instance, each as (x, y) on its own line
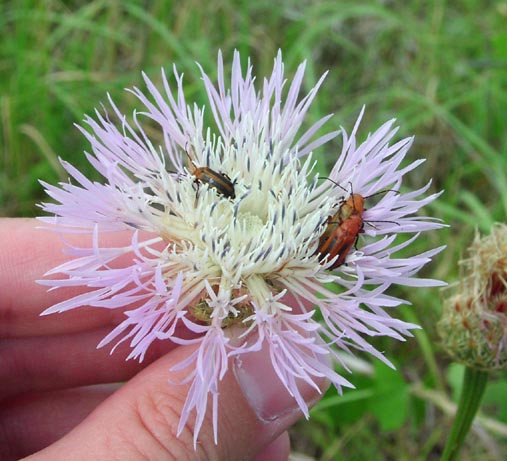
(439, 67)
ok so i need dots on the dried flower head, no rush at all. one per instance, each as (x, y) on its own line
(473, 326)
(228, 224)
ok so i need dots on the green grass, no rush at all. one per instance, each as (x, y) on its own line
(439, 67)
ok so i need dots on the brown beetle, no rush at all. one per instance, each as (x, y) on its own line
(219, 181)
(344, 227)
(342, 231)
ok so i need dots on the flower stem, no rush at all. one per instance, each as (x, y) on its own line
(474, 384)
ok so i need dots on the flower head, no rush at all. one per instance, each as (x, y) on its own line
(473, 326)
(235, 238)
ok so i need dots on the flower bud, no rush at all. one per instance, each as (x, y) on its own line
(473, 326)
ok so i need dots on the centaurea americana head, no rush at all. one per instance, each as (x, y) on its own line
(473, 326)
(239, 270)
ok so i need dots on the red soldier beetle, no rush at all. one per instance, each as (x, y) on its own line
(343, 229)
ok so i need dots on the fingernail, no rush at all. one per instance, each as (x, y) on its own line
(266, 394)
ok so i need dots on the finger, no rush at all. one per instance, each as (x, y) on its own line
(277, 450)
(26, 254)
(141, 419)
(65, 361)
(32, 421)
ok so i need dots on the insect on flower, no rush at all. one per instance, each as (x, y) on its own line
(219, 181)
(343, 229)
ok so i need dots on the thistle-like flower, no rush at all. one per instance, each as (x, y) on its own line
(235, 238)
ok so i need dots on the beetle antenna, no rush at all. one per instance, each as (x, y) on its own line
(383, 191)
(390, 222)
(192, 163)
(335, 183)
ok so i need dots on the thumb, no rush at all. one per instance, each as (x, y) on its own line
(140, 420)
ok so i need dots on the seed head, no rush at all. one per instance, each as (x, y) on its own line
(474, 322)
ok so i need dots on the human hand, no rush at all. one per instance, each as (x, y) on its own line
(60, 395)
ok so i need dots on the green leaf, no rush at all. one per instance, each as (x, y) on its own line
(390, 401)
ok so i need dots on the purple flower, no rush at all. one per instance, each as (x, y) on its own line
(228, 224)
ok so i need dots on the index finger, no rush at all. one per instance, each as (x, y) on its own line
(26, 254)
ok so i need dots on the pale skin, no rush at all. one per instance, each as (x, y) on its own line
(60, 397)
